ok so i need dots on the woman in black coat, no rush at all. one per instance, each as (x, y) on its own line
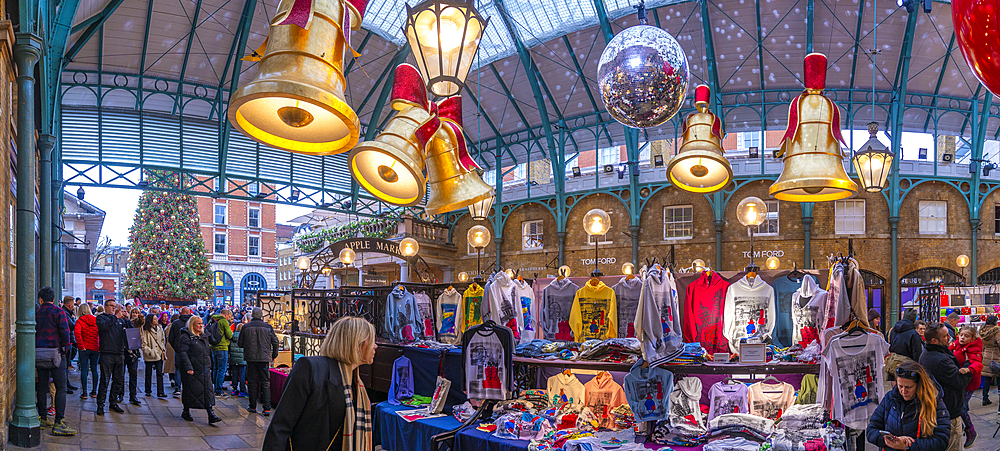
(194, 360)
(913, 414)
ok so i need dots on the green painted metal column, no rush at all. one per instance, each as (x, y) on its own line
(894, 267)
(974, 280)
(56, 207)
(45, 144)
(24, 428)
(717, 264)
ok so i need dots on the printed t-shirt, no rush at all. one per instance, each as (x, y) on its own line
(771, 400)
(727, 398)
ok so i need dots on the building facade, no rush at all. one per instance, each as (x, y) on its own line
(82, 223)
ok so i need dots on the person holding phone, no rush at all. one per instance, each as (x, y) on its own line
(912, 416)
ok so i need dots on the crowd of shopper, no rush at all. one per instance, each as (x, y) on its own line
(197, 349)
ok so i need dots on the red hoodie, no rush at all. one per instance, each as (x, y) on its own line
(86, 333)
(974, 353)
(703, 312)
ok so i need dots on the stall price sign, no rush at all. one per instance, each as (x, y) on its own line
(753, 352)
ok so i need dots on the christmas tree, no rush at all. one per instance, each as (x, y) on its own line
(167, 260)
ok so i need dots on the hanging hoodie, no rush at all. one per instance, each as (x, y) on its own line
(727, 398)
(749, 311)
(425, 309)
(648, 391)
(594, 314)
(602, 394)
(524, 298)
(503, 309)
(627, 296)
(784, 288)
(402, 317)
(806, 302)
(685, 411)
(563, 389)
(472, 307)
(703, 314)
(449, 317)
(554, 309)
(658, 317)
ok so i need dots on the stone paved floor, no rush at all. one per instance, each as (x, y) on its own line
(156, 425)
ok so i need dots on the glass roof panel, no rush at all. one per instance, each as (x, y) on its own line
(621, 8)
(538, 21)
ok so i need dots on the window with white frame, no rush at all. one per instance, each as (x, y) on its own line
(490, 177)
(770, 225)
(933, 217)
(253, 188)
(850, 217)
(608, 155)
(253, 217)
(644, 152)
(215, 184)
(531, 235)
(678, 222)
(602, 239)
(220, 243)
(517, 173)
(220, 214)
(253, 246)
(749, 139)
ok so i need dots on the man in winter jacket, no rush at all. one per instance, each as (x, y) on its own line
(68, 307)
(904, 341)
(176, 325)
(941, 364)
(52, 331)
(111, 335)
(220, 351)
(260, 347)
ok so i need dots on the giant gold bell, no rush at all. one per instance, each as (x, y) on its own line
(451, 185)
(391, 167)
(296, 102)
(699, 165)
(813, 160)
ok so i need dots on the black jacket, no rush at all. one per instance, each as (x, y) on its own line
(943, 366)
(175, 329)
(312, 403)
(900, 417)
(905, 340)
(195, 353)
(111, 333)
(258, 341)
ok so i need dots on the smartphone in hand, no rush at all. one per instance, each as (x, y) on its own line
(887, 435)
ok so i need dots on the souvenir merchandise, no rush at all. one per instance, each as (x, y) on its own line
(554, 309)
(487, 350)
(524, 297)
(648, 390)
(732, 444)
(521, 426)
(627, 297)
(425, 309)
(784, 290)
(441, 387)
(769, 400)
(685, 412)
(602, 394)
(417, 414)
(806, 302)
(463, 412)
(402, 318)
(704, 312)
(851, 377)
(659, 318)
(594, 314)
(749, 311)
(503, 310)
(807, 390)
(622, 418)
(472, 307)
(565, 389)
(622, 350)
(726, 398)
(449, 316)
(401, 386)
(537, 397)
(759, 424)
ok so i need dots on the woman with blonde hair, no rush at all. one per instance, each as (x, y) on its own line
(912, 413)
(325, 405)
(194, 359)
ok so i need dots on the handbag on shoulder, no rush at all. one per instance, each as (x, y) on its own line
(47, 358)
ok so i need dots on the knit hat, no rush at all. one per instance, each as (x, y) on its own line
(872, 314)
(910, 314)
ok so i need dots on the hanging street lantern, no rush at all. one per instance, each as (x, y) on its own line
(408, 247)
(480, 210)
(700, 166)
(873, 162)
(444, 37)
(296, 102)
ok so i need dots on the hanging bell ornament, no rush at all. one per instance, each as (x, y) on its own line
(700, 166)
(811, 147)
(452, 181)
(296, 101)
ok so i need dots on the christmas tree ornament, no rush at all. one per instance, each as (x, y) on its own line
(643, 75)
(700, 166)
(978, 36)
(811, 147)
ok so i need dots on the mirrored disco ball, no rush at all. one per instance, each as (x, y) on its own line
(643, 76)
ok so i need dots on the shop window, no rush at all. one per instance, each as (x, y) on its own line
(850, 217)
(749, 139)
(996, 219)
(220, 243)
(770, 225)
(933, 217)
(531, 235)
(678, 222)
(602, 239)
(253, 246)
(253, 217)
(220, 214)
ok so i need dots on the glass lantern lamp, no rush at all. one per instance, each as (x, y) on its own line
(302, 263)
(628, 269)
(408, 247)
(480, 210)
(751, 212)
(698, 265)
(444, 37)
(564, 271)
(347, 256)
(772, 263)
(873, 162)
(596, 222)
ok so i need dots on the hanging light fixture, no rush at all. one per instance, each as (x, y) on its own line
(480, 210)
(772, 263)
(628, 268)
(699, 165)
(444, 37)
(751, 212)
(408, 247)
(463, 276)
(962, 261)
(873, 162)
(80, 193)
(478, 237)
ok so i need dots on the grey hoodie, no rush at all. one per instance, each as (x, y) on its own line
(401, 315)
(554, 308)
(627, 296)
(685, 409)
(659, 318)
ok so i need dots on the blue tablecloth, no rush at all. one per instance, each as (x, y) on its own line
(472, 439)
(425, 371)
(398, 435)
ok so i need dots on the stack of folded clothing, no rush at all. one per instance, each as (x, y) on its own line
(532, 348)
(732, 444)
(802, 422)
(622, 418)
(514, 405)
(432, 344)
(611, 350)
(693, 353)
(536, 397)
(736, 430)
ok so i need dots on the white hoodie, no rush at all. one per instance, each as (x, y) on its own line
(806, 302)
(685, 411)
(502, 308)
(749, 311)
